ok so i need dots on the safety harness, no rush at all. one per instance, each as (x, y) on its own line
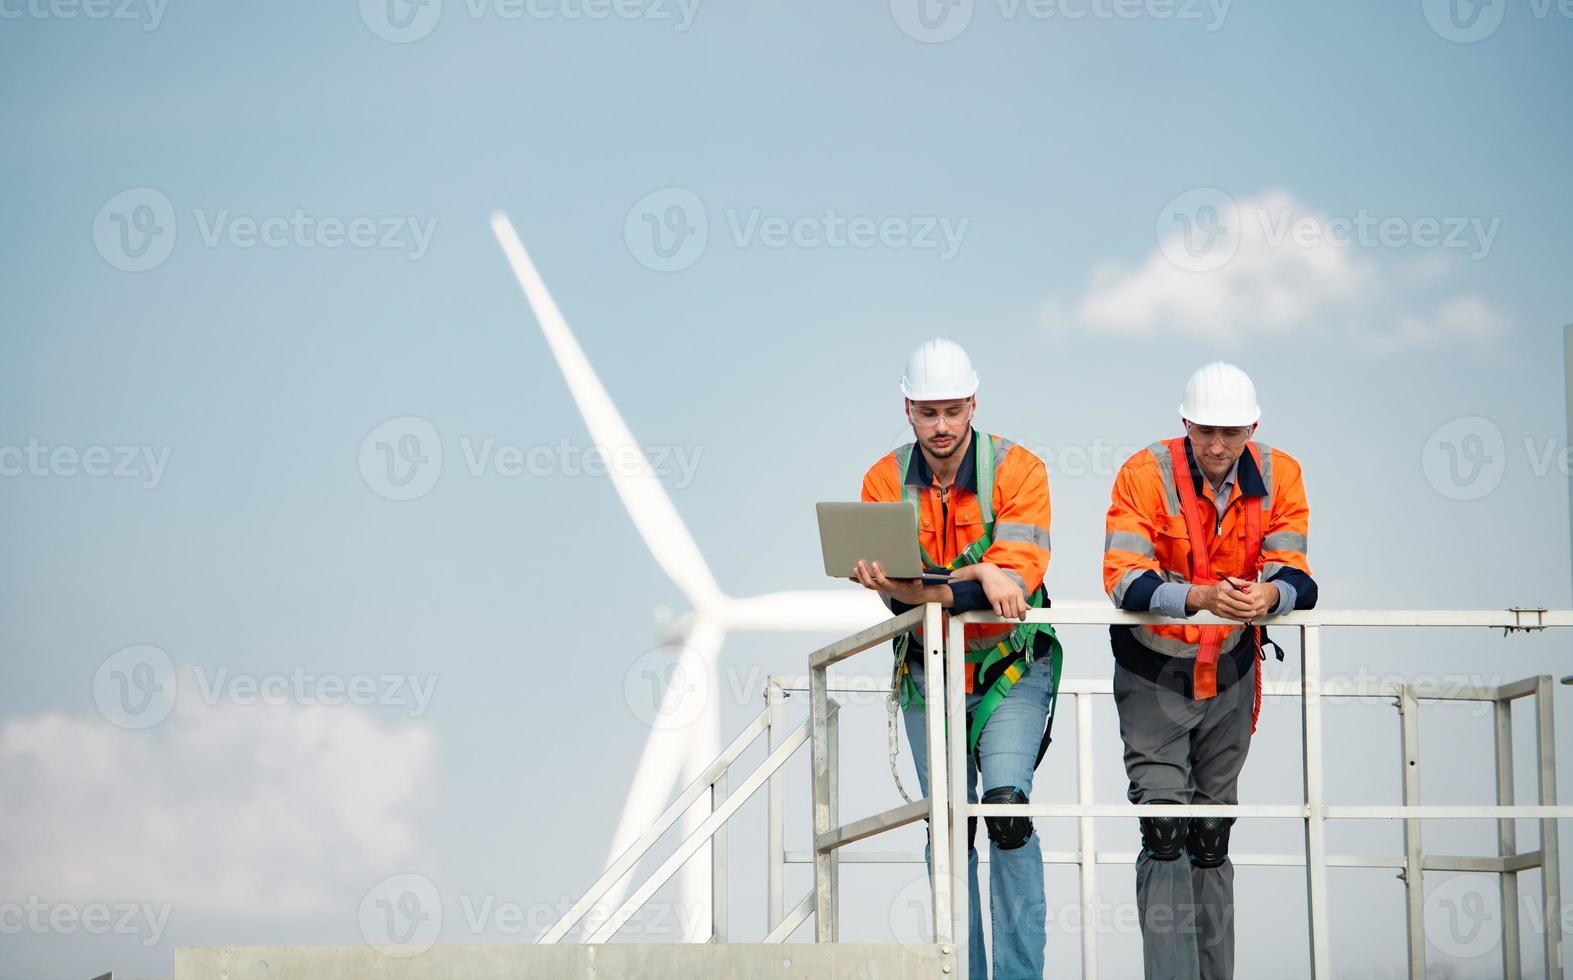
(995, 669)
(1201, 522)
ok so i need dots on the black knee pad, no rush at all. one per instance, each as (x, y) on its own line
(1007, 833)
(1163, 838)
(1208, 841)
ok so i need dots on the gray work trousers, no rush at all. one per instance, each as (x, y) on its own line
(1183, 751)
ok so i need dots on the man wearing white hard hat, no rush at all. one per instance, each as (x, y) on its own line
(1214, 521)
(981, 511)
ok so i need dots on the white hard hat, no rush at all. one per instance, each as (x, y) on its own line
(1220, 394)
(937, 371)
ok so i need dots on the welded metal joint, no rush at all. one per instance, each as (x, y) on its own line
(1529, 619)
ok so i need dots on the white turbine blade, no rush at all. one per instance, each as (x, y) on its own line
(822, 611)
(642, 494)
(673, 757)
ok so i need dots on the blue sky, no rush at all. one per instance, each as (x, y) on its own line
(1057, 153)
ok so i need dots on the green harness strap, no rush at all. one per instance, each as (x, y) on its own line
(1002, 665)
(998, 669)
(985, 472)
(1014, 668)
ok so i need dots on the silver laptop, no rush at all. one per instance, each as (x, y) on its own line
(849, 533)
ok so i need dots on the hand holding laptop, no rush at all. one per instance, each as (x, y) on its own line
(870, 575)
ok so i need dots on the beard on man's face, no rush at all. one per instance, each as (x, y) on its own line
(952, 444)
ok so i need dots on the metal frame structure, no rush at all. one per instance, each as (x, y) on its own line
(946, 808)
(948, 811)
(724, 802)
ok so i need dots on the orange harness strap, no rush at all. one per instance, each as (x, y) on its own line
(1199, 521)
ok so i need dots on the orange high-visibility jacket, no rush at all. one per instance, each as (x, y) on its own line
(948, 522)
(1146, 544)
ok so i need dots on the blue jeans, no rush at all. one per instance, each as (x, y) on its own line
(1008, 748)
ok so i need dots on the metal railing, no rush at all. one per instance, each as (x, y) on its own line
(947, 810)
(714, 783)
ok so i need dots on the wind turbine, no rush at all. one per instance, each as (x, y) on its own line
(673, 756)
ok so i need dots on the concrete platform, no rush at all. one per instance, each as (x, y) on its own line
(838, 961)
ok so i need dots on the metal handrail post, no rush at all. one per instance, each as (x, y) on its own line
(819, 727)
(941, 881)
(1414, 856)
(961, 790)
(833, 732)
(1315, 818)
(775, 832)
(1507, 838)
(1087, 859)
(719, 897)
(1550, 852)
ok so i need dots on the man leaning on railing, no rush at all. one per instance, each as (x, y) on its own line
(981, 507)
(1208, 521)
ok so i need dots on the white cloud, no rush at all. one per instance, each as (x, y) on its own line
(218, 808)
(1467, 317)
(1269, 265)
